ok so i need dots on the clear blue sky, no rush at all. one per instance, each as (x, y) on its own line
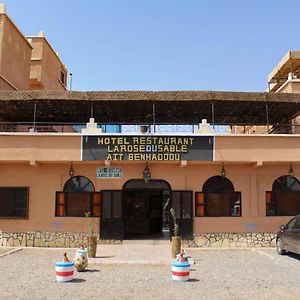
(229, 45)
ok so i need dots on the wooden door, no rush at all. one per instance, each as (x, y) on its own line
(182, 202)
(111, 215)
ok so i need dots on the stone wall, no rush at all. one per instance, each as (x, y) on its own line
(74, 240)
(47, 239)
(232, 240)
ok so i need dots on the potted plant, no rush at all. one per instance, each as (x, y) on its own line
(176, 241)
(91, 239)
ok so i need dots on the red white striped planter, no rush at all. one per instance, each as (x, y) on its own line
(64, 271)
(180, 271)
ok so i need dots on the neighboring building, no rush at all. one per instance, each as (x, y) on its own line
(47, 72)
(15, 52)
(285, 78)
(28, 63)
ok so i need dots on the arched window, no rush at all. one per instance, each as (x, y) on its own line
(78, 198)
(284, 200)
(218, 199)
(78, 184)
(286, 184)
(218, 184)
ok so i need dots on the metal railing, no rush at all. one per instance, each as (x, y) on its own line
(70, 127)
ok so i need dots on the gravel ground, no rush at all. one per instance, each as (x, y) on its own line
(217, 273)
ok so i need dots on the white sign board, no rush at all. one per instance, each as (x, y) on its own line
(109, 173)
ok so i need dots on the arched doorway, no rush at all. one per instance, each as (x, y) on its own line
(146, 208)
(141, 210)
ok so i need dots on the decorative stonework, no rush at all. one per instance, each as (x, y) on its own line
(232, 240)
(74, 240)
(43, 239)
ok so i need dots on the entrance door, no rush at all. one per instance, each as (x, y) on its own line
(111, 215)
(136, 212)
(143, 211)
(145, 207)
(156, 206)
(182, 202)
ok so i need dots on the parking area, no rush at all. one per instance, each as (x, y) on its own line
(144, 272)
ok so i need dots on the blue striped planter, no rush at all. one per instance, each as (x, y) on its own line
(64, 271)
(180, 271)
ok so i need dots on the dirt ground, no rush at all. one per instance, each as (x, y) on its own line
(29, 273)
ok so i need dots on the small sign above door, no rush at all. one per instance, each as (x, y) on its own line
(109, 173)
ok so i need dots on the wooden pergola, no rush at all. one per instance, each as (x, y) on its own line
(289, 64)
(144, 107)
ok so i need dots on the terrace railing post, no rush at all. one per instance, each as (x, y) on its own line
(34, 115)
(153, 112)
(267, 116)
(213, 115)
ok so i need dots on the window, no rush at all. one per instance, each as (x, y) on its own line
(218, 199)
(284, 199)
(78, 197)
(297, 223)
(78, 184)
(14, 202)
(111, 128)
(291, 224)
(63, 77)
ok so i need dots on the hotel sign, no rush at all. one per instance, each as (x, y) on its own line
(147, 148)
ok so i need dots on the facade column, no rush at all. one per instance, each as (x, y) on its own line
(253, 195)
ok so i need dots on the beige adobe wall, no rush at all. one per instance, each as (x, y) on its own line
(5, 85)
(46, 66)
(255, 129)
(36, 64)
(258, 148)
(252, 149)
(253, 183)
(293, 86)
(39, 147)
(15, 57)
(296, 122)
(290, 86)
(45, 179)
(42, 162)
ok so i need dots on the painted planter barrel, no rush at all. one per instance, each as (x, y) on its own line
(64, 271)
(180, 271)
(176, 245)
(92, 246)
(81, 260)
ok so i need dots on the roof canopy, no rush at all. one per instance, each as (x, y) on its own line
(137, 107)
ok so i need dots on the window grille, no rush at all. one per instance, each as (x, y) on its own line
(14, 202)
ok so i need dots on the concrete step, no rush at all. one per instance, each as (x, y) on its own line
(146, 242)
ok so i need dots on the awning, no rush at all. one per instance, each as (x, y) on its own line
(137, 107)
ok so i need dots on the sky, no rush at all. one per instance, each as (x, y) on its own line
(220, 45)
